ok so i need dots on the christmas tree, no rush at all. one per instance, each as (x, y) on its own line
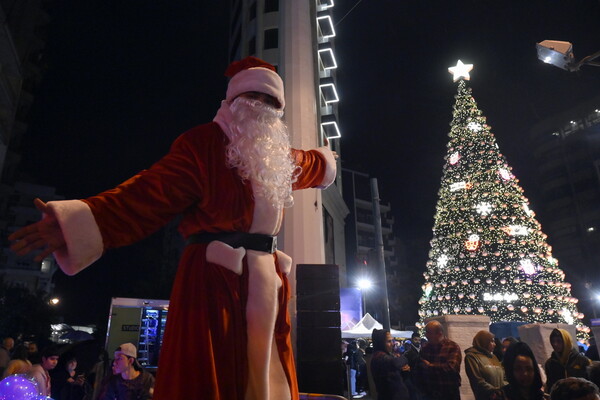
(488, 253)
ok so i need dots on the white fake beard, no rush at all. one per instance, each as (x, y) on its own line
(260, 150)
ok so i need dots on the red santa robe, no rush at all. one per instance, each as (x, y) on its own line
(228, 328)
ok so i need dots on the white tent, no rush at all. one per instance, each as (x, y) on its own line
(364, 328)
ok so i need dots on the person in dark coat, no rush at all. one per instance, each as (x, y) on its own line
(387, 369)
(592, 350)
(362, 382)
(565, 361)
(67, 383)
(412, 353)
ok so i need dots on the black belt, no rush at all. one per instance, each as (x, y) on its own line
(249, 241)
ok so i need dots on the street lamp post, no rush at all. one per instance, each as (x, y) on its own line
(594, 297)
(364, 284)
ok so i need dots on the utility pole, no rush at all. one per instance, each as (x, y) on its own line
(382, 281)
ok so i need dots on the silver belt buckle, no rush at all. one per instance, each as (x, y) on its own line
(274, 245)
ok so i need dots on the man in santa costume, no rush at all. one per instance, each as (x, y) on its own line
(228, 330)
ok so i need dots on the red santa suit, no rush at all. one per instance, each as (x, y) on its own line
(228, 328)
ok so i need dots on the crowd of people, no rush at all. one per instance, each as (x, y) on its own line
(57, 374)
(506, 369)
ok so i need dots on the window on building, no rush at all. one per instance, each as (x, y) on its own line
(235, 45)
(325, 3)
(327, 59)
(252, 11)
(46, 265)
(271, 38)
(325, 27)
(237, 9)
(252, 46)
(330, 130)
(271, 6)
(328, 94)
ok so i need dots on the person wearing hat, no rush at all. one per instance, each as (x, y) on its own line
(485, 372)
(130, 381)
(565, 361)
(231, 179)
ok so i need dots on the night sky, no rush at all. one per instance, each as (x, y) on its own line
(126, 78)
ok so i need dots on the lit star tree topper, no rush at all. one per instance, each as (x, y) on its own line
(461, 70)
(488, 254)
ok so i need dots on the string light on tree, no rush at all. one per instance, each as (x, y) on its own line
(488, 254)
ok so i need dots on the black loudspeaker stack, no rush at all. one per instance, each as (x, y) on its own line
(318, 346)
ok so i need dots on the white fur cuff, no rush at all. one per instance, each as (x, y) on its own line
(81, 233)
(331, 169)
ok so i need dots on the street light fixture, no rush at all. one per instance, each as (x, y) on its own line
(560, 54)
(364, 284)
(54, 301)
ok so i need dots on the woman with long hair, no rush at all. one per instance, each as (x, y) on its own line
(522, 373)
(387, 369)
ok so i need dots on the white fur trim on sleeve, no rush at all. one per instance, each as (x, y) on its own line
(330, 170)
(81, 233)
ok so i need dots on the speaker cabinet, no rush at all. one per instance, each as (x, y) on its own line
(319, 358)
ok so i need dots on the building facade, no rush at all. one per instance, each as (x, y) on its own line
(297, 38)
(361, 242)
(22, 40)
(567, 154)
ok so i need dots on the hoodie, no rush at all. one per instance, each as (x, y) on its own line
(484, 370)
(569, 363)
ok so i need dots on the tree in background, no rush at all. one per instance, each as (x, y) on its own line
(25, 314)
(488, 253)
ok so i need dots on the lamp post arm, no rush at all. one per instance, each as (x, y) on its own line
(586, 61)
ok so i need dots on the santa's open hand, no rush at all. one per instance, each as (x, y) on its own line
(45, 235)
(326, 143)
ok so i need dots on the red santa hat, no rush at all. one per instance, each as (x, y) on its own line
(254, 75)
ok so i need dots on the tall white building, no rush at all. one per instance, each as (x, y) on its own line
(297, 37)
